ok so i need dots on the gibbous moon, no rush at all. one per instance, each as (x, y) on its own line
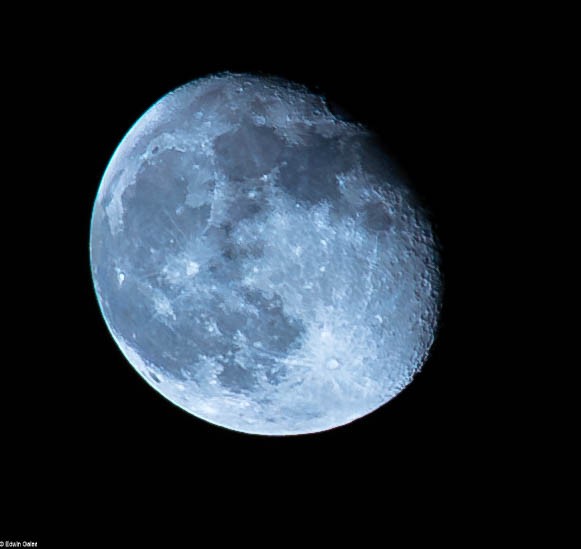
(260, 261)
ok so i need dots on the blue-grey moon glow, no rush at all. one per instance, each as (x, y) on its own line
(260, 261)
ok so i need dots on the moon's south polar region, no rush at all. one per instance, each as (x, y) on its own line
(260, 261)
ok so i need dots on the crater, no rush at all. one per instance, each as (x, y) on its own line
(333, 364)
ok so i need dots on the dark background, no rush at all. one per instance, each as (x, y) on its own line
(87, 426)
(419, 110)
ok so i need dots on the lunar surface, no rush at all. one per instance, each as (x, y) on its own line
(260, 261)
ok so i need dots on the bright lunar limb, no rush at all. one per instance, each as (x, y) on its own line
(260, 261)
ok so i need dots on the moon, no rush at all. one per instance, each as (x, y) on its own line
(261, 261)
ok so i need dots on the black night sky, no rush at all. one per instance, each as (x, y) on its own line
(416, 128)
(90, 426)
